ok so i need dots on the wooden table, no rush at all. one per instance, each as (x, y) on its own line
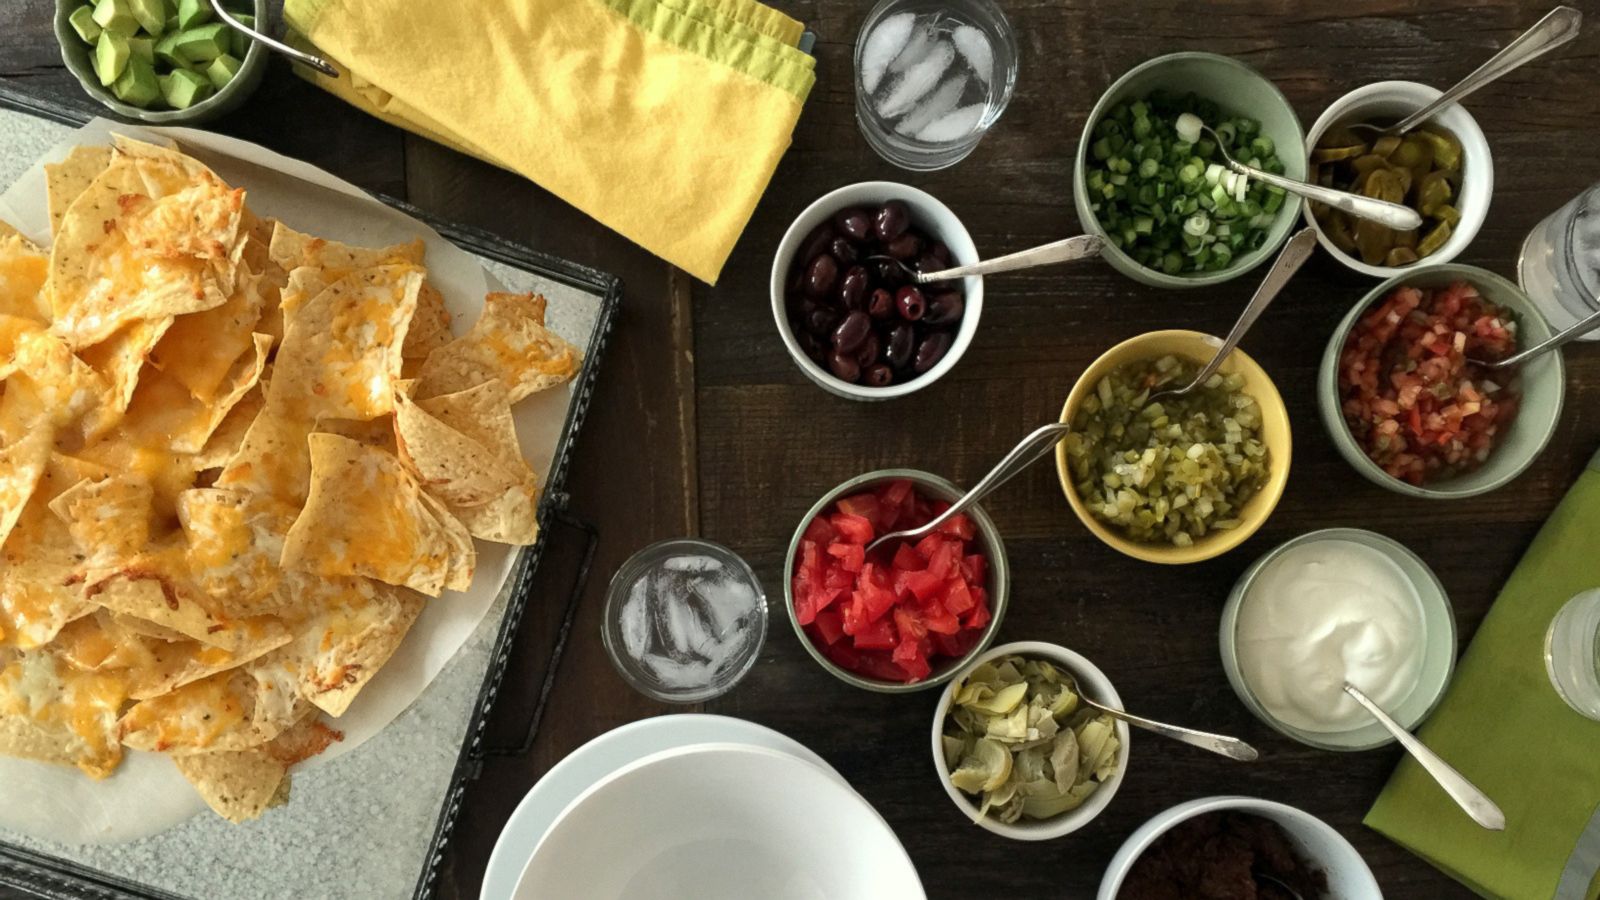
(702, 425)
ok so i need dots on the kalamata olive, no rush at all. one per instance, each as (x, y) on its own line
(944, 308)
(879, 376)
(927, 262)
(812, 344)
(821, 273)
(867, 353)
(902, 339)
(815, 244)
(892, 220)
(853, 288)
(905, 247)
(854, 223)
(844, 251)
(930, 351)
(822, 320)
(847, 338)
(844, 366)
(880, 305)
(889, 273)
(911, 303)
(939, 251)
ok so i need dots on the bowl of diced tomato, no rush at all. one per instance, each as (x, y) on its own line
(1406, 400)
(908, 615)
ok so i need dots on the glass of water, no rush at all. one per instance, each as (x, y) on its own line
(1560, 263)
(931, 77)
(1572, 653)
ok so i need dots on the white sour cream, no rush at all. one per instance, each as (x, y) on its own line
(1321, 614)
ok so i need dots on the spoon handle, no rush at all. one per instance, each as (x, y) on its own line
(315, 62)
(1473, 801)
(1294, 255)
(1072, 248)
(1389, 215)
(1220, 744)
(1559, 26)
(1584, 326)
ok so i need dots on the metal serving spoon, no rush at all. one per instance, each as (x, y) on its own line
(1263, 878)
(1031, 449)
(1558, 27)
(1289, 261)
(315, 62)
(1080, 247)
(1389, 215)
(1221, 744)
(1585, 325)
(1476, 804)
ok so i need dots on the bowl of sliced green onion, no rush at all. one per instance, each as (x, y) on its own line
(1155, 187)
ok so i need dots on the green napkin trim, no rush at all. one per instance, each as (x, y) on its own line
(780, 70)
(720, 20)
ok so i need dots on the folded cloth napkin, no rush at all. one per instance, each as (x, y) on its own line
(663, 119)
(1503, 725)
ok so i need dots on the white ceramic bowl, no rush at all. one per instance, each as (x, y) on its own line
(719, 822)
(1348, 875)
(1392, 101)
(928, 214)
(1095, 684)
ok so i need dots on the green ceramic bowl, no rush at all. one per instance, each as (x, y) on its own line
(1238, 89)
(1542, 384)
(77, 57)
(993, 548)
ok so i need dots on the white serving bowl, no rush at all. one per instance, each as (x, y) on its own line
(928, 214)
(1096, 685)
(1348, 875)
(719, 822)
(1392, 101)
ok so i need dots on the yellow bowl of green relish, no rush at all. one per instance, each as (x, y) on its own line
(1236, 458)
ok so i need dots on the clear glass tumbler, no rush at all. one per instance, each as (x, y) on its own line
(1560, 263)
(931, 77)
(1572, 653)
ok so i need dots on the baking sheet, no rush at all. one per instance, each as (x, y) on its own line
(350, 813)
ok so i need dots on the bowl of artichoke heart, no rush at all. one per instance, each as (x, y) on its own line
(1178, 480)
(1019, 751)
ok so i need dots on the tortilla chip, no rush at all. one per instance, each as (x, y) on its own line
(228, 438)
(480, 477)
(51, 712)
(23, 269)
(174, 664)
(52, 379)
(242, 785)
(234, 541)
(21, 465)
(140, 627)
(377, 432)
(7, 230)
(430, 326)
(211, 714)
(357, 625)
(110, 519)
(291, 250)
(273, 461)
(201, 349)
(155, 596)
(40, 591)
(509, 343)
(119, 360)
(65, 181)
(366, 516)
(164, 414)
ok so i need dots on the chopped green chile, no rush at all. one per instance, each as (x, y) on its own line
(1016, 738)
(1421, 170)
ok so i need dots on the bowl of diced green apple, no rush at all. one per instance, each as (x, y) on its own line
(165, 62)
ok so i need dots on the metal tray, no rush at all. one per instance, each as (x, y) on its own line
(54, 876)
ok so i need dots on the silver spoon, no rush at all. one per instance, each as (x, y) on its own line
(315, 62)
(1389, 215)
(1585, 325)
(1558, 27)
(1275, 881)
(1221, 744)
(1084, 245)
(1289, 261)
(1032, 448)
(1476, 804)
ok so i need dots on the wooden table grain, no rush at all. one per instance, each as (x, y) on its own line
(702, 425)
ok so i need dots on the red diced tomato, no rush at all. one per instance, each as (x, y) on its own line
(924, 585)
(975, 568)
(908, 560)
(850, 556)
(829, 626)
(940, 620)
(910, 624)
(978, 617)
(928, 545)
(877, 636)
(837, 578)
(957, 598)
(852, 528)
(818, 532)
(954, 644)
(897, 493)
(945, 561)
(863, 505)
(878, 664)
(959, 526)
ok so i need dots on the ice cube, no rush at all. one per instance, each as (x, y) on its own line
(726, 601)
(687, 632)
(694, 564)
(917, 81)
(951, 127)
(883, 43)
(916, 47)
(679, 675)
(973, 46)
(634, 620)
(939, 103)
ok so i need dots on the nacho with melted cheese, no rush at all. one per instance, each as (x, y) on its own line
(222, 510)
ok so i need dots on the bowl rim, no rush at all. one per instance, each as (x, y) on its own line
(1216, 543)
(1091, 223)
(1154, 827)
(999, 575)
(1475, 216)
(1430, 590)
(1328, 381)
(839, 198)
(1073, 819)
(254, 62)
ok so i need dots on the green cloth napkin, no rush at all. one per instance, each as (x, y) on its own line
(1502, 724)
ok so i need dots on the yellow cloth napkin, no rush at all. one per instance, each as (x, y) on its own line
(663, 119)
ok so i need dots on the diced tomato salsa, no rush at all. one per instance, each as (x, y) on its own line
(892, 614)
(1410, 396)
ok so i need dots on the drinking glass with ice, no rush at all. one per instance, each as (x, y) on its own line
(1560, 263)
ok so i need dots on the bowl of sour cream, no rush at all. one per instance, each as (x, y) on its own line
(1331, 606)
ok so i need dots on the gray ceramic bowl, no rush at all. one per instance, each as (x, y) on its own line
(76, 55)
(1542, 384)
(993, 548)
(1238, 89)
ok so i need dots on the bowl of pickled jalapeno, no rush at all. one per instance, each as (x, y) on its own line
(1441, 168)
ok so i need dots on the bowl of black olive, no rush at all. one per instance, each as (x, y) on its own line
(846, 298)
